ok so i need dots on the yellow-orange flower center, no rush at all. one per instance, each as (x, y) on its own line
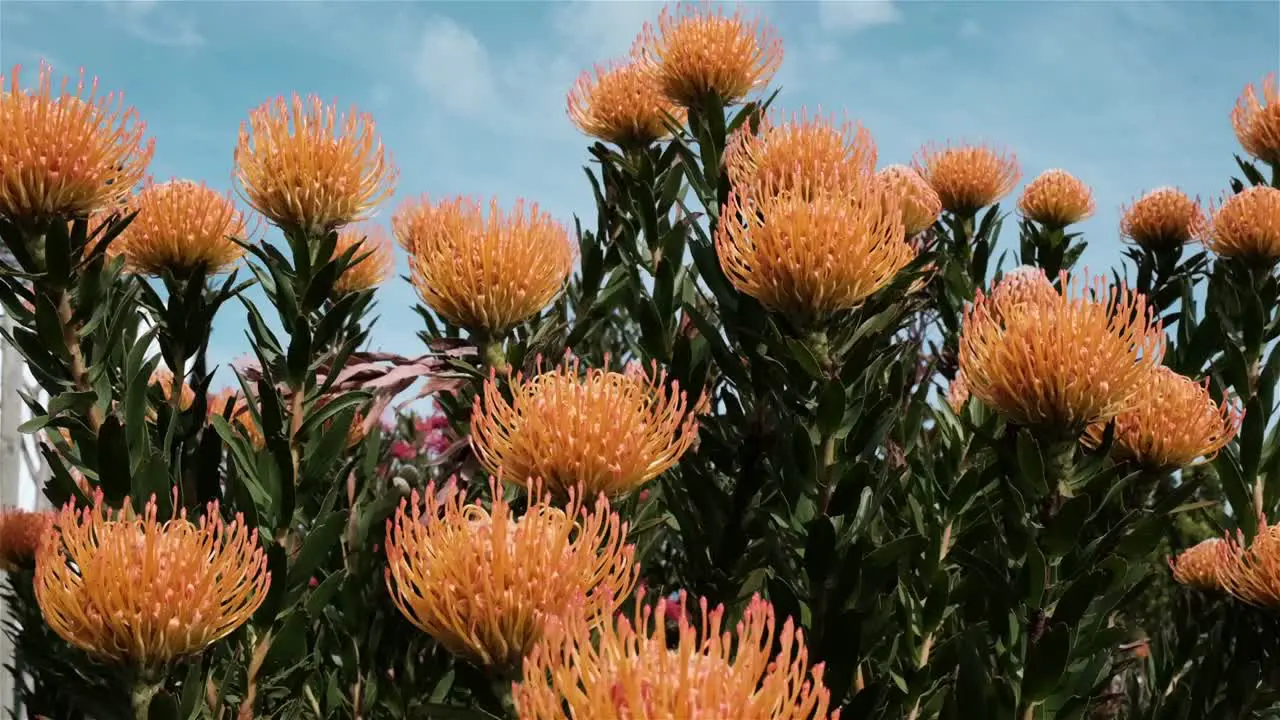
(803, 154)
(377, 258)
(920, 204)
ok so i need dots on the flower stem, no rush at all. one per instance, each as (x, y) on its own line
(71, 338)
(144, 691)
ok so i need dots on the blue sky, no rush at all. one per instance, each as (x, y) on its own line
(469, 97)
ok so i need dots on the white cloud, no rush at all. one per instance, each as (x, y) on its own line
(147, 21)
(604, 29)
(455, 69)
(849, 16)
(970, 28)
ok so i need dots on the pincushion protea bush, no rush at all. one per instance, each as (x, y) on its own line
(695, 458)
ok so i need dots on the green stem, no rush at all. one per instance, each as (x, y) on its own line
(493, 354)
(826, 488)
(144, 691)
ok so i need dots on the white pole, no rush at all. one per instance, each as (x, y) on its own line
(12, 471)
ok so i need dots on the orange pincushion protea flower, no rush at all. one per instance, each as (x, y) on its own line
(240, 415)
(803, 154)
(1257, 123)
(622, 104)
(1247, 226)
(644, 670)
(375, 248)
(1061, 361)
(1056, 199)
(1163, 219)
(181, 226)
(919, 202)
(309, 170)
(1252, 573)
(1199, 566)
(131, 589)
(21, 532)
(486, 274)
(697, 51)
(968, 178)
(1173, 422)
(807, 258)
(610, 432)
(64, 155)
(163, 378)
(484, 583)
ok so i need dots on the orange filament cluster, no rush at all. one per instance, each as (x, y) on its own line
(920, 204)
(804, 154)
(643, 669)
(377, 257)
(65, 155)
(308, 169)
(698, 51)
(1163, 219)
(484, 273)
(133, 590)
(181, 226)
(1257, 121)
(1173, 422)
(1061, 361)
(485, 584)
(608, 432)
(1056, 199)
(622, 104)
(968, 178)
(1247, 226)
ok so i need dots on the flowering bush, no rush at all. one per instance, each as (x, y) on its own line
(777, 386)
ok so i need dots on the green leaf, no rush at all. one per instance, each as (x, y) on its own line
(831, 406)
(322, 596)
(113, 461)
(1064, 530)
(819, 551)
(1046, 661)
(804, 357)
(288, 644)
(1036, 575)
(152, 479)
(1031, 463)
(324, 448)
(319, 543)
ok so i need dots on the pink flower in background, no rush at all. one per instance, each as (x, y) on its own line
(402, 450)
(435, 423)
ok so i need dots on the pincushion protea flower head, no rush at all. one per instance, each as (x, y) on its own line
(809, 255)
(1199, 566)
(919, 202)
(697, 51)
(134, 590)
(485, 274)
(21, 532)
(1257, 122)
(1247, 226)
(62, 154)
(622, 104)
(1163, 219)
(643, 669)
(484, 584)
(1061, 361)
(610, 432)
(825, 154)
(240, 416)
(1251, 573)
(968, 178)
(163, 378)
(1056, 199)
(375, 249)
(1173, 422)
(308, 169)
(181, 226)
